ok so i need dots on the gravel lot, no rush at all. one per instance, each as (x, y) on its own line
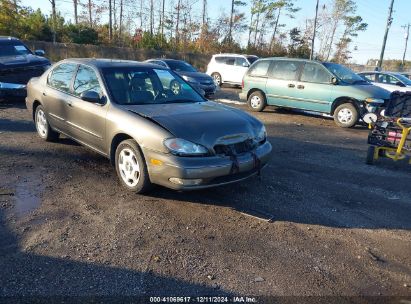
(317, 222)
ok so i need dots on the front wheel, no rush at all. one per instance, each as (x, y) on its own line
(256, 101)
(43, 127)
(131, 167)
(346, 115)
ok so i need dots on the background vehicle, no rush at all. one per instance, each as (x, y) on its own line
(189, 74)
(310, 85)
(125, 111)
(408, 75)
(390, 81)
(17, 65)
(229, 68)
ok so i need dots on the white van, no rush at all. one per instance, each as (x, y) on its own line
(229, 68)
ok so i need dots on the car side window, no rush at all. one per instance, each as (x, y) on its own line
(230, 60)
(240, 61)
(86, 80)
(313, 72)
(220, 59)
(61, 76)
(260, 68)
(388, 79)
(370, 77)
(287, 70)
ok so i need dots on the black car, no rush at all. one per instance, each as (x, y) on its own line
(17, 65)
(197, 79)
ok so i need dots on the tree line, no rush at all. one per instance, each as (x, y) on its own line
(255, 26)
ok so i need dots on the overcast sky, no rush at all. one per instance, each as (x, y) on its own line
(368, 43)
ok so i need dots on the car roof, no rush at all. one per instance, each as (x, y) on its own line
(380, 72)
(108, 63)
(232, 54)
(8, 38)
(293, 59)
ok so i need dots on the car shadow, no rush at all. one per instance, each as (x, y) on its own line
(9, 125)
(38, 278)
(17, 103)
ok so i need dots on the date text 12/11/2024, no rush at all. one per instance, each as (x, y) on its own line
(204, 299)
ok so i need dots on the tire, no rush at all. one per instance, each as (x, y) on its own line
(346, 115)
(370, 155)
(217, 79)
(131, 167)
(256, 101)
(43, 127)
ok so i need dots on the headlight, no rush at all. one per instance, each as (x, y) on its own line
(374, 100)
(190, 79)
(182, 147)
(261, 135)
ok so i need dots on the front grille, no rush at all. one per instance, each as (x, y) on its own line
(235, 149)
(20, 75)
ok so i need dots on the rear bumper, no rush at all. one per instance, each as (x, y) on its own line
(212, 171)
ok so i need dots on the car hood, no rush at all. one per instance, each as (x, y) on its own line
(205, 123)
(369, 90)
(198, 76)
(8, 62)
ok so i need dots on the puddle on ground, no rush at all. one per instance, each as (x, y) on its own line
(27, 195)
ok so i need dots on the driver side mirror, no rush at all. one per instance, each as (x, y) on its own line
(245, 64)
(91, 96)
(400, 84)
(334, 80)
(40, 53)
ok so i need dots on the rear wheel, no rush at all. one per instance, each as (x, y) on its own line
(256, 101)
(370, 155)
(346, 115)
(217, 78)
(43, 127)
(131, 167)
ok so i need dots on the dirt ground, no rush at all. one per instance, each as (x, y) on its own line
(317, 222)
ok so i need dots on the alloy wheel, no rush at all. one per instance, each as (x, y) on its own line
(129, 167)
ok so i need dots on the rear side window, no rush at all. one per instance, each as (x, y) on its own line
(313, 72)
(287, 70)
(260, 68)
(61, 76)
(220, 59)
(86, 80)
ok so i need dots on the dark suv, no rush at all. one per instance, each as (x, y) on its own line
(17, 65)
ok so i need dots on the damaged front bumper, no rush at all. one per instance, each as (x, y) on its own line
(191, 173)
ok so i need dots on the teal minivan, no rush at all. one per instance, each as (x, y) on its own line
(323, 87)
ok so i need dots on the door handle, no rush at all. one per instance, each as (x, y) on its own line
(291, 85)
(69, 104)
(44, 94)
(300, 86)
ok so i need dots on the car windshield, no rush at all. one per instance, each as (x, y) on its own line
(13, 48)
(251, 59)
(181, 66)
(403, 79)
(344, 73)
(141, 85)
